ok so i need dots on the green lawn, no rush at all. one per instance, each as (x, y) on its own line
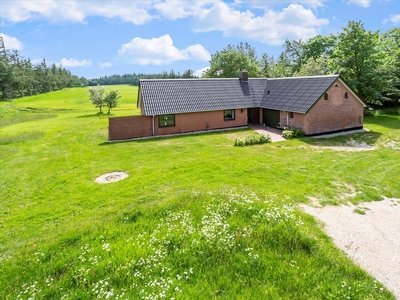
(196, 218)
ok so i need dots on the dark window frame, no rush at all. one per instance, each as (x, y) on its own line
(165, 122)
(326, 96)
(232, 114)
(291, 115)
(346, 95)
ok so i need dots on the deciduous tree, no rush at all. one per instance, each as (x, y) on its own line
(96, 94)
(314, 67)
(390, 46)
(111, 99)
(231, 60)
(357, 59)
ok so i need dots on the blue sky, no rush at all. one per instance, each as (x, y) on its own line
(105, 37)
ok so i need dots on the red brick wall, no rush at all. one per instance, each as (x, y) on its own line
(202, 121)
(122, 128)
(336, 113)
(297, 120)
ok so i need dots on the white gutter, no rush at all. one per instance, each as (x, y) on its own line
(287, 119)
(152, 125)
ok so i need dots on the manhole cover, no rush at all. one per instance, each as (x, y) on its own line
(111, 177)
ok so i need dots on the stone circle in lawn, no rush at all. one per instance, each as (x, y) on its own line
(111, 177)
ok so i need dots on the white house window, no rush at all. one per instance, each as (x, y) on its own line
(229, 114)
(166, 120)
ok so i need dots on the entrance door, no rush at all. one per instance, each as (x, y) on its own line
(271, 117)
(253, 115)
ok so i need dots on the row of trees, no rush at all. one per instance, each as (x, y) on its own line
(134, 78)
(368, 61)
(19, 77)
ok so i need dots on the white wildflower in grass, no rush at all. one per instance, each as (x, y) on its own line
(4, 258)
(30, 291)
(293, 264)
(163, 258)
(49, 281)
(94, 260)
(80, 276)
(102, 289)
(85, 250)
(64, 297)
(280, 214)
(106, 247)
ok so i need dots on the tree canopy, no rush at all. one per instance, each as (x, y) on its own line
(356, 57)
(228, 62)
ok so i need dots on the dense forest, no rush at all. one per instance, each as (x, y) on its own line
(19, 77)
(368, 61)
(134, 78)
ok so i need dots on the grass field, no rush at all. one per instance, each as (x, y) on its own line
(197, 218)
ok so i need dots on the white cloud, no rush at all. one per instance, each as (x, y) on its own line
(293, 22)
(262, 4)
(75, 11)
(160, 51)
(178, 9)
(395, 19)
(104, 65)
(11, 42)
(362, 3)
(72, 62)
(233, 19)
(199, 72)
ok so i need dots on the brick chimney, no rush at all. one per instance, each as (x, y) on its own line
(244, 76)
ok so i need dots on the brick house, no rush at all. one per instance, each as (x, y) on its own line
(316, 104)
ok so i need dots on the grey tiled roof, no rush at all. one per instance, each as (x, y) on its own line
(295, 94)
(173, 96)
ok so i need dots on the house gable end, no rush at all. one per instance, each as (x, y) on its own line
(295, 94)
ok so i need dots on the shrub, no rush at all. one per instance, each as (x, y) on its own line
(253, 139)
(292, 133)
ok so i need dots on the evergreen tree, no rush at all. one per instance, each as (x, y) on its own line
(4, 72)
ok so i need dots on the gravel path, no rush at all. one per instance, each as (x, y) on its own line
(371, 240)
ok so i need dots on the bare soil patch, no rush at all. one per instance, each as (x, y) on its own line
(369, 233)
(351, 145)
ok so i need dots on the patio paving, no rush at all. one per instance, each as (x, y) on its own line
(275, 134)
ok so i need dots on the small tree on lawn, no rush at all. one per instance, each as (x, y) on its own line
(111, 99)
(97, 96)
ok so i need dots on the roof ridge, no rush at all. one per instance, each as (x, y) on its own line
(235, 78)
(304, 77)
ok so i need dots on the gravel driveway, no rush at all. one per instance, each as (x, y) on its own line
(372, 240)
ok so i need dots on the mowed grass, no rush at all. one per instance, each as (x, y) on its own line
(196, 218)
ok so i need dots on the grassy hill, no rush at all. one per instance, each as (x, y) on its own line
(78, 98)
(197, 218)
